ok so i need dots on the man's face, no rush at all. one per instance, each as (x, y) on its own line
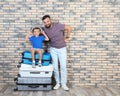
(47, 22)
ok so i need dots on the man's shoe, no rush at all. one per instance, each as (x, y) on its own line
(57, 86)
(65, 87)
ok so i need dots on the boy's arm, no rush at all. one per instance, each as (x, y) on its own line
(27, 36)
(46, 37)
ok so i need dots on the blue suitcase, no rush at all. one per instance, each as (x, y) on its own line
(27, 55)
(27, 58)
(28, 61)
(46, 59)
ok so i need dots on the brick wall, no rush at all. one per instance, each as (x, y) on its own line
(94, 47)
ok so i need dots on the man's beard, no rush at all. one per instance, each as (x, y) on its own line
(48, 26)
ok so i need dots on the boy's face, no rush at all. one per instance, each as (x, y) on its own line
(36, 32)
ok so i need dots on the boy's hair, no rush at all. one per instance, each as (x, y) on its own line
(46, 16)
(36, 28)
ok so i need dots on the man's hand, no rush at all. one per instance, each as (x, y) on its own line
(66, 39)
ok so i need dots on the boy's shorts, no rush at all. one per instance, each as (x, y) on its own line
(37, 49)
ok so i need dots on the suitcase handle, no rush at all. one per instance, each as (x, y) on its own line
(33, 86)
(34, 72)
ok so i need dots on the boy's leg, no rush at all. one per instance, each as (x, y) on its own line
(40, 57)
(33, 58)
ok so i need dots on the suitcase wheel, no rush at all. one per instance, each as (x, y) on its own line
(18, 66)
(15, 79)
(19, 75)
(16, 83)
(15, 89)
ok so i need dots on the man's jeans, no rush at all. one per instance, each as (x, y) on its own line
(59, 54)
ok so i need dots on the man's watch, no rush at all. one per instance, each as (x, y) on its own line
(67, 37)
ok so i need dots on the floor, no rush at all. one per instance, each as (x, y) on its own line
(8, 90)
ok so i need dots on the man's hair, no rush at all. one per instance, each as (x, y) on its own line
(36, 28)
(45, 16)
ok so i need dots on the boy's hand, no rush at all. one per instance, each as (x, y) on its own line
(26, 39)
(43, 32)
(30, 33)
(46, 37)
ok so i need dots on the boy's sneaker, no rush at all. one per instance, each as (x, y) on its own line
(65, 87)
(33, 65)
(39, 64)
(57, 86)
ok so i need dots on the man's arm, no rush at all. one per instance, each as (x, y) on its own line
(68, 29)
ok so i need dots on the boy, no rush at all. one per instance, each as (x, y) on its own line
(36, 37)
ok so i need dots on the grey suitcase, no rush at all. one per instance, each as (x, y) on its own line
(33, 80)
(45, 87)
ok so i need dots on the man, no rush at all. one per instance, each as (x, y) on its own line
(55, 32)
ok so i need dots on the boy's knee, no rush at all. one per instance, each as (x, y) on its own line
(33, 51)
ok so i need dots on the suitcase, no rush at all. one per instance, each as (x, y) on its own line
(28, 61)
(46, 59)
(27, 58)
(27, 87)
(27, 71)
(27, 55)
(33, 80)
